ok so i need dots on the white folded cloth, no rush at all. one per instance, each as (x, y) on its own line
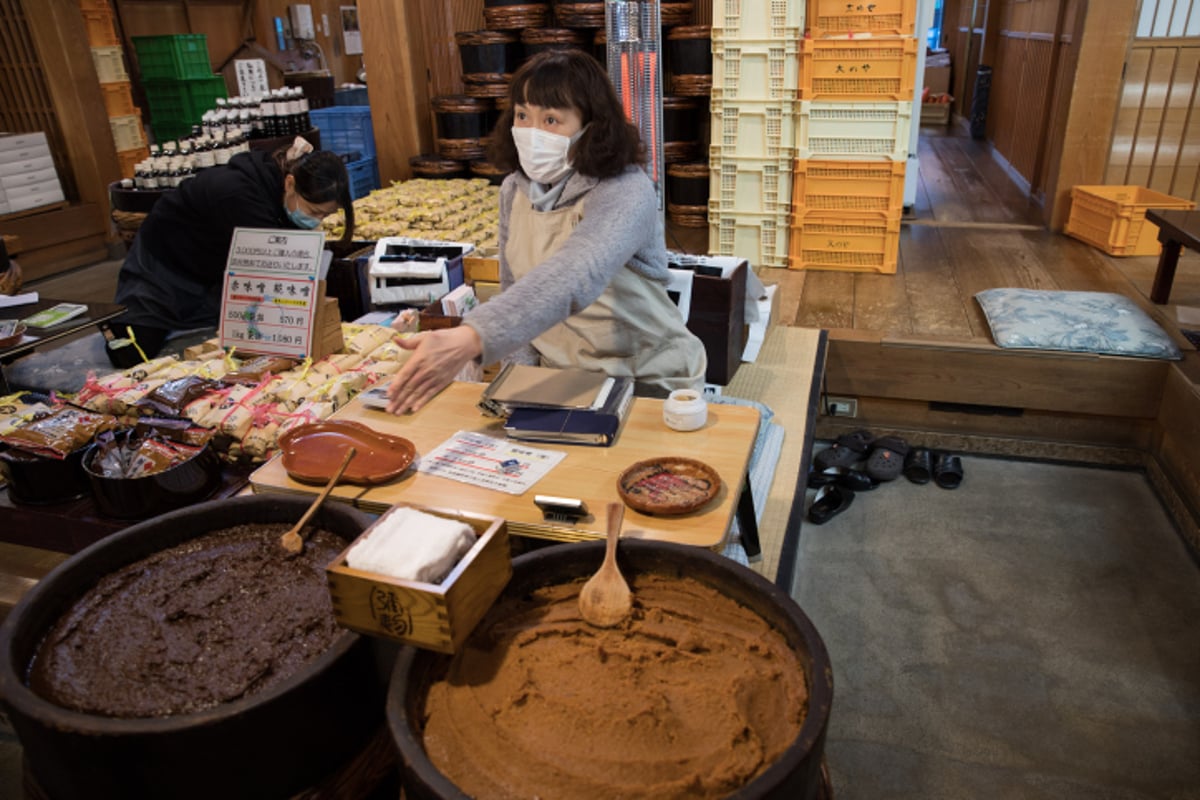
(412, 545)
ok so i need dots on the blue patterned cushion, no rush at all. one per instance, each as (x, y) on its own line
(1081, 322)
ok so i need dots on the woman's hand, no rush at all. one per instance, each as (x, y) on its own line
(437, 357)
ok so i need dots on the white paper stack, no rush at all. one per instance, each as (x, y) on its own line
(412, 545)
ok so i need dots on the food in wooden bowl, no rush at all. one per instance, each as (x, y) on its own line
(669, 485)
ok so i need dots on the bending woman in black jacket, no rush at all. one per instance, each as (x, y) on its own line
(172, 277)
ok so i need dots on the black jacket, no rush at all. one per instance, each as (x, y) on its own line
(189, 229)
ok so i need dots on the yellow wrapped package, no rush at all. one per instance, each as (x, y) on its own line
(337, 363)
(296, 386)
(309, 411)
(252, 407)
(126, 399)
(370, 337)
(20, 409)
(150, 368)
(97, 393)
(340, 389)
(261, 439)
(227, 400)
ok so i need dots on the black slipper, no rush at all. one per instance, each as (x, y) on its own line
(887, 458)
(947, 471)
(830, 501)
(918, 465)
(845, 477)
(846, 450)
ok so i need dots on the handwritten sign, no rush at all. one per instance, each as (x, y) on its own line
(252, 77)
(271, 291)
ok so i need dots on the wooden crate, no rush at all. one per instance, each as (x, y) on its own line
(433, 616)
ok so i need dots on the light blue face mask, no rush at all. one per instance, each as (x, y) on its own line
(303, 220)
(300, 219)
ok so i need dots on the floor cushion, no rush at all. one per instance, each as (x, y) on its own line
(1080, 322)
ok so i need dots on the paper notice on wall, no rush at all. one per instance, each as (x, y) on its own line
(351, 36)
(252, 77)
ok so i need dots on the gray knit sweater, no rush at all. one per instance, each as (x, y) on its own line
(621, 229)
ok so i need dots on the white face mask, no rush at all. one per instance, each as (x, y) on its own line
(545, 157)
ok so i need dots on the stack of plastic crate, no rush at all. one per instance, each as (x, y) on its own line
(109, 58)
(858, 66)
(179, 82)
(755, 78)
(347, 131)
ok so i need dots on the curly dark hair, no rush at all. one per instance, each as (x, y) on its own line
(572, 79)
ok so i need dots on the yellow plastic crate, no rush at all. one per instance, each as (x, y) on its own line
(846, 242)
(101, 32)
(848, 186)
(1113, 218)
(118, 99)
(878, 18)
(131, 158)
(858, 69)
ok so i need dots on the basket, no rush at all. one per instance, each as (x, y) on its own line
(746, 69)
(845, 131)
(762, 186)
(345, 129)
(1113, 218)
(844, 242)
(756, 19)
(848, 186)
(118, 99)
(761, 239)
(877, 18)
(364, 177)
(183, 55)
(748, 129)
(110, 64)
(858, 69)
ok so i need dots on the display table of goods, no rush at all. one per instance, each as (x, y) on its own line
(234, 405)
(455, 210)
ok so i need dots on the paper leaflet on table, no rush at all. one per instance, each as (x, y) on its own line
(18, 299)
(489, 463)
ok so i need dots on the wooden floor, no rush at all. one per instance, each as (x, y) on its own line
(972, 228)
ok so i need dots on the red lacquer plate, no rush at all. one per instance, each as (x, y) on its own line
(670, 485)
(312, 453)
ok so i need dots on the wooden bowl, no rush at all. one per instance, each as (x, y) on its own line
(669, 485)
(15, 338)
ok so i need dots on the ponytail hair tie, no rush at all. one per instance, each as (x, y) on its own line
(300, 147)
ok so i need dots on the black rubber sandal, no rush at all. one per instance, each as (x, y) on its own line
(847, 449)
(947, 471)
(918, 465)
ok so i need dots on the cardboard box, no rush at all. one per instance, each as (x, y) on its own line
(433, 616)
(43, 196)
(48, 177)
(937, 79)
(34, 143)
(717, 314)
(28, 165)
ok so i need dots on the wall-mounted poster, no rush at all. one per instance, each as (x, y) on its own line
(351, 36)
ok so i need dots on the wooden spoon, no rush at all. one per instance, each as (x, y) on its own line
(606, 599)
(292, 541)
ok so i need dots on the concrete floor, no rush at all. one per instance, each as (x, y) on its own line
(1029, 635)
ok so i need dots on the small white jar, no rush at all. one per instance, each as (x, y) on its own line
(685, 410)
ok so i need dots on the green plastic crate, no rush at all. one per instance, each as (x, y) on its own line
(173, 57)
(175, 106)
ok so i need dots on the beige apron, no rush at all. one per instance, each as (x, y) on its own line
(632, 329)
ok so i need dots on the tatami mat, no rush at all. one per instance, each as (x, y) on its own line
(785, 377)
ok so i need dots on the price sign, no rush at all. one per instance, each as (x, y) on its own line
(271, 291)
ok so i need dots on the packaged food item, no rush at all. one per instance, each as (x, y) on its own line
(61, 433)
(18, 410)
(173, 396)
(255, 369)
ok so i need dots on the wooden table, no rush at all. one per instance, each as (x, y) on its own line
(1176, 230)
(587, 473)
(37, 337)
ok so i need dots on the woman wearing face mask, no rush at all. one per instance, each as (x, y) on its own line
(583, 263)
(172, 277)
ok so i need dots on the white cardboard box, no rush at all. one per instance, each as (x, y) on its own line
(29, 165)
(21, 141)
(35, 200)
(46, 176)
